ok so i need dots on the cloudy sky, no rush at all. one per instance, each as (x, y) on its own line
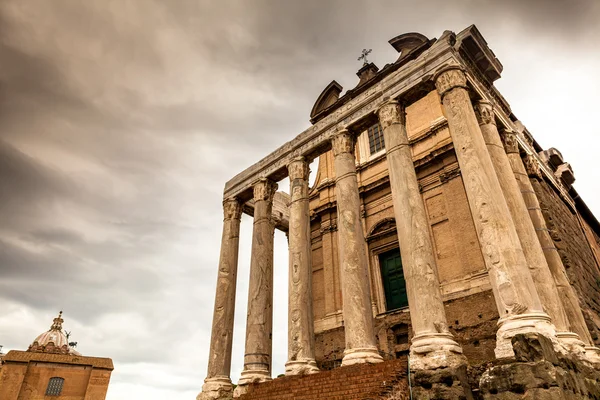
(120, 122)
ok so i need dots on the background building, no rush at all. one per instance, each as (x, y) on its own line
(51, 369)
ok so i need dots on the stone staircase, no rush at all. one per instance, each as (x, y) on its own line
(386, 380)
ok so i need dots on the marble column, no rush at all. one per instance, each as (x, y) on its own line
(432, 345)
(523, 169)
(361, 346)
(217, 384)
(301, 332)
(516, 297)
(259, 323)
(534, 255)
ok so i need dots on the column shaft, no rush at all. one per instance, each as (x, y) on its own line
(515, 293)
(432, 343)
(259, 323)
(354, 268)
(530, 244)
(565, 291)
(301, 334)
(218, 382)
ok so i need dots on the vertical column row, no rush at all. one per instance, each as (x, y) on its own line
(301, 337)
(530, 244)
(522, 171)
(432, 345)
(218, 382)
(516, 297)
(354, 268)
(259, 320)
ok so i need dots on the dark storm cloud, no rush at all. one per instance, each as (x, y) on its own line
(120, 121)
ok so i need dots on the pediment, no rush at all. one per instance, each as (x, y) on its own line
(407, 42)
(328, 96)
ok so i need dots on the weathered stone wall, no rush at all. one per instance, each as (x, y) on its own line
(575, 251)
(472, 320)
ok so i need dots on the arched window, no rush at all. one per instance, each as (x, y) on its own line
(55, 386)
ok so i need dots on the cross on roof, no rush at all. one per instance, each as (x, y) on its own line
(364, 55)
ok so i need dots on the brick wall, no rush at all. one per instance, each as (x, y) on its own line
(387, 380)
(575, 252)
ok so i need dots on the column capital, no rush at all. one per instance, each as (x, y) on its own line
(484, 111)
(343, 142)
(264, 189)
(391, 112)
(509, 140)
(298, 169)
(532, 166)
(449, 78)
(232, 208)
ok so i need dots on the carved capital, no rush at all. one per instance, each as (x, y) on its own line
(343, 142)
(390, 113)
(532, 166)
(265, 190)
(509, 140)
(232, 208)
(484, 112)
(450, 78)
(298, 169)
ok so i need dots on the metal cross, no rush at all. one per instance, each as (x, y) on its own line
(364, 55)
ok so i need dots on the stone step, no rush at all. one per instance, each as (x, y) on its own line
(386, 380)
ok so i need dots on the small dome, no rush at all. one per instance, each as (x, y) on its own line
(53, 341)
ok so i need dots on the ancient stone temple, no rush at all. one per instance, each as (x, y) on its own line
(438, 237)
(52, 369)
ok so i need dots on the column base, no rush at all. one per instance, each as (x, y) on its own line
(571, 342)
(522, 323)
(301, 367)
(365, 355)
(592, 354)
(216, 388)
(430, 351)
(248, 377)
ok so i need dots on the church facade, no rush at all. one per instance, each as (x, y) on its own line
(437, 231)
(52, 369)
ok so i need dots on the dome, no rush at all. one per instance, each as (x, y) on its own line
(53, 341)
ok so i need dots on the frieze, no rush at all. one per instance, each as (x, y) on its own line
(317, 136)
(484, 111)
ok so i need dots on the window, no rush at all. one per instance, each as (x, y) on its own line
(376, 142)
(55, 386)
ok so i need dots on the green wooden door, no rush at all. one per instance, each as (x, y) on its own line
(393, 279)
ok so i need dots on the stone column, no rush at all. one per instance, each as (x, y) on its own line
(217, 384)
(432, 345)
(523, 170)
(361, 346)
(516, 297)
(301, 332)
(259, 323)
(530, 244)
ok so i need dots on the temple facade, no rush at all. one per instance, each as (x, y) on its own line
(437, 230)
(52, 369)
